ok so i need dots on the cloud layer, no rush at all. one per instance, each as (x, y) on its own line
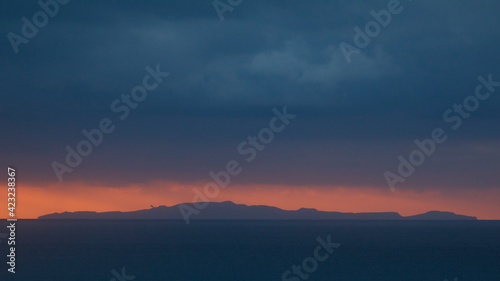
(354, 119)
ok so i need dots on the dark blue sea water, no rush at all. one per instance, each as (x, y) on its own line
(254, 250)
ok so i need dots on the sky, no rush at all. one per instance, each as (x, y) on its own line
(230, 70)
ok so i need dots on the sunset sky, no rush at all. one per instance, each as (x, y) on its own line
(352, 119)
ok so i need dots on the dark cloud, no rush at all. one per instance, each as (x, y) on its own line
(353, 119)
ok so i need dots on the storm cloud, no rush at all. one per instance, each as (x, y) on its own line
(353, 119)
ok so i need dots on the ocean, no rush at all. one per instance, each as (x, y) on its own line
(151, 250)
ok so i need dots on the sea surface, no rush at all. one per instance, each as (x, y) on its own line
(151, 250)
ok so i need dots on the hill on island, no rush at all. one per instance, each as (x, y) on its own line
(231, 211)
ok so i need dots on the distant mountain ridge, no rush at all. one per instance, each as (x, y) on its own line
(231, 211)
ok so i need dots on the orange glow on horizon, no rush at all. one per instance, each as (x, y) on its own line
(34, 201)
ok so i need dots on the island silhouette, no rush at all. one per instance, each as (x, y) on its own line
(231, 211)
